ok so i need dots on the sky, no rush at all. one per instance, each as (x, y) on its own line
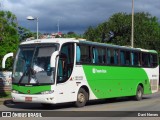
(73, 15)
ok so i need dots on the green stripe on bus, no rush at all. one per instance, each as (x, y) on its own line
(109, 81)
(31, 89)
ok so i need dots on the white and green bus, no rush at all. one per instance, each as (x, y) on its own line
(51, 71)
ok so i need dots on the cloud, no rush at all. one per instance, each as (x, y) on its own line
(73, 15)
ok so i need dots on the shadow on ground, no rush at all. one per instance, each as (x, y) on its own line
(36, 106)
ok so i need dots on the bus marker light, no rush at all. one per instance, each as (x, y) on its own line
(71, 79)
(51, 98)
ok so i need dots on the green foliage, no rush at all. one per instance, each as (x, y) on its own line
(71, 35)
(8, 35)
(25, 33)
(146, 30)
(5, 95)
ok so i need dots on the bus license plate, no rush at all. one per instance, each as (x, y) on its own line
(29, 99)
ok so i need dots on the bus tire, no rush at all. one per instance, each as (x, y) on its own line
(82, 98)
(139, 93)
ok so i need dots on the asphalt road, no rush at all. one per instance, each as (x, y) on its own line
(149, 103)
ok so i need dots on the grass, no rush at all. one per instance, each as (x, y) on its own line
(5, 95)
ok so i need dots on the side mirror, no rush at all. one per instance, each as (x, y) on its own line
(5, 58)
(53, 59)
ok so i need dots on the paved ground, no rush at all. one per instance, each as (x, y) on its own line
(149, 103)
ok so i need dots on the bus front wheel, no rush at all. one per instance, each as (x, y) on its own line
(82, 98)
(139, 93)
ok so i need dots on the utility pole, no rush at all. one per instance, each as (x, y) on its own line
(132, 29)
(34, 18)
(58, 26)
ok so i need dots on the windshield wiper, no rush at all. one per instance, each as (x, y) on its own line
(31, 74)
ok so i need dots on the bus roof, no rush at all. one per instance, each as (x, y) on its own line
(83, 41)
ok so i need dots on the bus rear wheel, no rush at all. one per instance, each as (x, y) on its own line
(139, 93)
(82, 98)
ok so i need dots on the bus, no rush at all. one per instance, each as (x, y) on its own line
(61, 70)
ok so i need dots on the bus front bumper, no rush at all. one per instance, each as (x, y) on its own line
(40, 98)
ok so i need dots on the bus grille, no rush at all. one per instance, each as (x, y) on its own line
(154, 84)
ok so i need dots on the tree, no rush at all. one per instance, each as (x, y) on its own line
(8, 35)
(146, 34)
(71, 34)
(90, 34)
(25, 33)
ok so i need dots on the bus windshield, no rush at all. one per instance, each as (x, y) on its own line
(32, 65)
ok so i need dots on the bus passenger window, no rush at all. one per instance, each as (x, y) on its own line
(115, 57)
(112, 56)
(128, 58)
(85, 54)
(98, 55)
(78, 54)
(125, 57)
(122, 57)
(95, 55)
(146, 60)
(154, 60)
(135, 57)
(101, 56)
(108, 56)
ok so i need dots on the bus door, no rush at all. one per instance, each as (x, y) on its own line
(64, 88)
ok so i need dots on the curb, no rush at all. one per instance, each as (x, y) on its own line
(3, 99)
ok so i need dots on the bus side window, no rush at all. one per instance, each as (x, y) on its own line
(98, 55)
(153, 60)
(95, 55)
(145, 60)
(128, 58)
(78, 54)
(115, 57)
(101, 54)
(108, 56)
(122, 58)
(132, 58)
(135, 59)
(85, 54)
(125, 58)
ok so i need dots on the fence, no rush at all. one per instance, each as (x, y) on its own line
(5, 81)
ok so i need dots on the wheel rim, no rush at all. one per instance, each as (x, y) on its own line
(139, 93)
(81, 97)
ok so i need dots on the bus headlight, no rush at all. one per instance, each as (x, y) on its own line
(14, 91)
(48, 92)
